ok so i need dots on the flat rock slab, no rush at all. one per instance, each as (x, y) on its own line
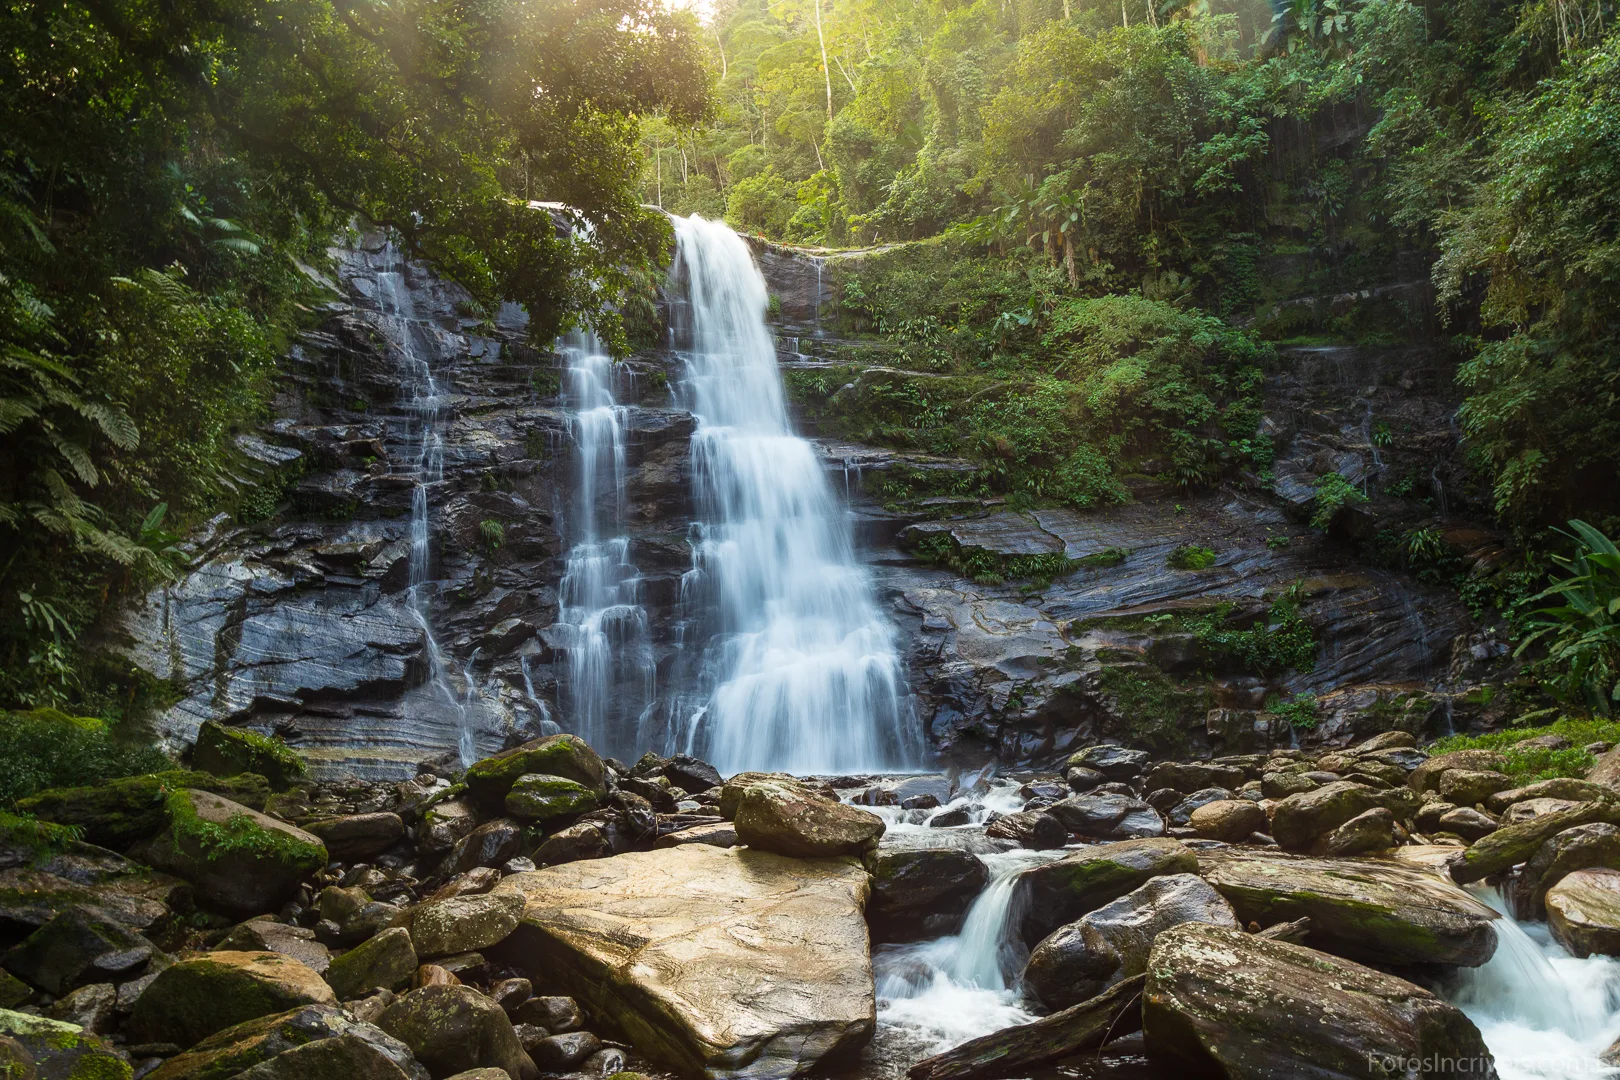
(726, 962)
(1376, 911)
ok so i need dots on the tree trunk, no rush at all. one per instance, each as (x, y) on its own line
(826, 71)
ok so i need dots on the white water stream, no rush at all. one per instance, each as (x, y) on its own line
(800, 671)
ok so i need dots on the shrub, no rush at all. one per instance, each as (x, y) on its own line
(1531, 764)
(46, 748)
(1582, 630)
(1333, 493)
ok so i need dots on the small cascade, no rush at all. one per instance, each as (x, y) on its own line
(1545, 1015)
(611, 676)
(423, 403)
(800, 670)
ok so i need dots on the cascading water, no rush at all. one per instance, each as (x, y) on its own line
(610, 667)
(423, 403)
(800, 671)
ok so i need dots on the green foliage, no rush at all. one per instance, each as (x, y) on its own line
(989, 568)
(237, 835)
(38, 837)
(1529, 765)
(492, 534)
(1333, 493)
(1581, 629)
(1300, 711)
(46, 748)
(1157, 711)
(1282, 641)
(1191, 557)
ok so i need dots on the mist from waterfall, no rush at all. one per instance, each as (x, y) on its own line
(800, 670)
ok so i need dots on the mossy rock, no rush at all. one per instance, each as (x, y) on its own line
(1062, 891)
(387, 960)
(239, 860)
(207, 994)
(63, 1051)
(225, 751)
(537, 797)
(13, 991)
(567, 756)
(118, 813)
(236, 1049)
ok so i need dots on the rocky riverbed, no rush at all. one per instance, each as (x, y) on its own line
(551, 912)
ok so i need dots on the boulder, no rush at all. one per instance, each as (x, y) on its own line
(55, 1050)
(490, 844)
(195, 998)
(238, 859)
(464, 923)
(451, 1029)
(1108, 817)
(358, 837)
(444, 823)
(1467, 823)
(1034, 829)
(387, 960)
(1426, 777)
(922, 892)
(741, 963)
(718, 834)
(1561, 787)
(1606, 772)
(1387, 740)
(559, 1053)
(583, 840)
(343, 1057)
(230, 751)
(1081, 960)
(1403, 758)
(90, 1007)
(1370, 830)
(1231, 820)
(1369, 910)
(1219, 1002)
(267, 935)
(1180, 812)
(567, 756)
(553, 1013)
(1279, 785)
(1301, 822)
(1583, 912)
(538, 797)
(691, 774)
(117, 813)
(80, 946)
(1533, 808)
(1469, 787)
(1513, 844)
(787, 821)
(1062, 891)
(239, 1050)
(31, 897)
(1585, 847)
(1114, 762)
(1193, 775)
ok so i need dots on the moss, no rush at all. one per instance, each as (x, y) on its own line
(99, 1065)
(990, 568)
(227, 751)
(1529, 765)
(1156, 711)
(238, 835)
(119, 812)
(38, 837)
(1191, 557)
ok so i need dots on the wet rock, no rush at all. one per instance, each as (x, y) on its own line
(1369, 910)
(1426, 777)
(559, 1053)
(691, 774)
(1513, 844)
(16, 1063)
(956, 817)
(1084, 958)
(781, 819)
(567, 756)
(720, 834)
(1282, 785)
(117, 813)
(1583, 912)
(1114, 762)
(91, 1007)
(267, 935)
(195, 998)
(785, 979)
(451, 1029)
(1468, 823)
(237, 859)
(343, 1057)
(1062, 891)
(1584, 847)
(554, 1014)
(511, 993)
(491, 844)
(537, 797)
(1108, 817)
(227, 751)
(1082, 779)
(445, 823)
(1532, 808)
(1369, 831)
(910, 887)
(606, 1062)
(1222, 1002)
(1301, 822)
(480, 879)
(1231, 820)
(238, 1050)
(1192, 776)
(1388, 740)
(1468, 787)
(77, 947)
(13, 991)
(358, 837)
(387, 961)
(1405, 759)
(56, 1050)
(1035, 829)
(31, 898)
(464, 924)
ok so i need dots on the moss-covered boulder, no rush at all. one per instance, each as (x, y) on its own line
(1513, 844)
(1062, 891)
(239, 860)
(32, 898)
(387, 960)
(195, 998)
(1373, 911)
(567, 756)
(117, 813)
(1426, 777)
(81, 945)
(538, 797)
(61, 1051)
(1220, 1002)
(1585, 847)
(463, 924)
(789, 821)
(1303, 822)
(228, 751)
(245, 1049)
(451, 1029)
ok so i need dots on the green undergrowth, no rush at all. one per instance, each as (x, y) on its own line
(1191, 557)
(1531, 764)
(45, 748)
(1157, 711)
(989, 568)
(35, 836)
(1282, 641)
(1300, 711)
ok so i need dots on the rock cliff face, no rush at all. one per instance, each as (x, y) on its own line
(312, 622)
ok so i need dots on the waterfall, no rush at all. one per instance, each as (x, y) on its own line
(423, 404)
(610, 667)
(800, 668)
